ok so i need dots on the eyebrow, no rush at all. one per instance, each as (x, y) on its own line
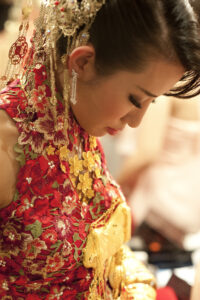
(147, 92)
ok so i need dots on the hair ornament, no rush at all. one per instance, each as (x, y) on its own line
(69, 18)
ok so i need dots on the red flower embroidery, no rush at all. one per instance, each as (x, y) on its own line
(70, 294)
(56, 201)
(26, 203)
(34, 138)
(22, 280)
(69, 203)
(33, 267)
(33, 297)
(40, 209)
(34, 248)
(45, 228)
(46, 126)
(40, 75)
(56, 293)
(63, 227)
(4, 285)
(67, 248)
(54, 263)
(50, 236)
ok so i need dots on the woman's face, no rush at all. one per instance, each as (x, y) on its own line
(107, 104)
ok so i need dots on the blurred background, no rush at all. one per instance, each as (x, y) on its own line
(158, 168)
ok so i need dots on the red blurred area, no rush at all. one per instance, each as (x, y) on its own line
(166, 293)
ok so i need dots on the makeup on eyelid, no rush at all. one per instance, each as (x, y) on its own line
(135, 102)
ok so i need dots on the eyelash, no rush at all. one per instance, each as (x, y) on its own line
(134, 102)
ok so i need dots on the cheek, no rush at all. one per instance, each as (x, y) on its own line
(114, 113)
(114, 107)
(135, 116)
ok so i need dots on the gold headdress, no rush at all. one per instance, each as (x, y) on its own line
(70, 18)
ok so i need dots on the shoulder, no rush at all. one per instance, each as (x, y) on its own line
(9, 166)
(8, 130)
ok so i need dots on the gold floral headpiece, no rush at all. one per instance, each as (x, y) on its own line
(70, 18)
(70, 15)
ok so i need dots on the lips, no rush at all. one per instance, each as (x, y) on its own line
(112, 131)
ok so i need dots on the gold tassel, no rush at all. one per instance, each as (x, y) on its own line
(18, 49)
(53, 100)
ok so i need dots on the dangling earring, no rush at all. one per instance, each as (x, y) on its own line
(73, 99)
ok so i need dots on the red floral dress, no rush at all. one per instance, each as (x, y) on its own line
(62, 188)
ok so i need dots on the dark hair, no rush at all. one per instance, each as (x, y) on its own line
(4, 10)
(126, 33)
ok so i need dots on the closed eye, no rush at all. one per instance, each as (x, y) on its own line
(134, 101)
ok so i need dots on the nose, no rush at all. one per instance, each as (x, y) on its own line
(135, 116)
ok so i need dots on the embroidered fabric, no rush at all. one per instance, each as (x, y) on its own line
(60, 192)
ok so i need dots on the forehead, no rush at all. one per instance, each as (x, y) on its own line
(156, 78)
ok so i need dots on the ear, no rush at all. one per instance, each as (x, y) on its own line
(82, 61)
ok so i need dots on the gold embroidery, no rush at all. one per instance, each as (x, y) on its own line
(129, 277)
(84, 167)
(50, 150)
(105, 238)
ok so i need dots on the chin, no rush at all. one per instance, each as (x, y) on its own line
(97, 133)
(100, 135)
